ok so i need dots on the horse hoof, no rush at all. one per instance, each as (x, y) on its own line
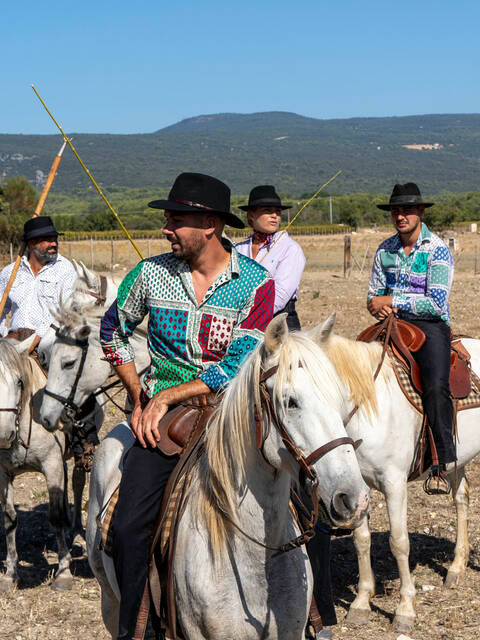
(63, 583)
(7, 584)
(357, 617)
(452, 580)
(403, 624)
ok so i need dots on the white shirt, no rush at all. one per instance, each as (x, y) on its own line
(31, 296)
(285, 261)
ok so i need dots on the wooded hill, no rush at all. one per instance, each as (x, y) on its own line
(295, 153)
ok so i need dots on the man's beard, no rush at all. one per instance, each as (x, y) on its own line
(189, 250)
(44, 257)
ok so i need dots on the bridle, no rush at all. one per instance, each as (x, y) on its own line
(305, 462)
(68, 403)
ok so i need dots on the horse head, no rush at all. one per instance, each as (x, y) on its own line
(15, 385)
(74, 365)
(310, 403)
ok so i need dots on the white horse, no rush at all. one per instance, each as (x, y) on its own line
(26, 446)
(390, 428)
(77, 362)
(227, 585)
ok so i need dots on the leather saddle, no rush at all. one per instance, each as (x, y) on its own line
(178, 424)
(405, 339)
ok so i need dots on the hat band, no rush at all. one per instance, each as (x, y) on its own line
(406, 200)
(192, 204)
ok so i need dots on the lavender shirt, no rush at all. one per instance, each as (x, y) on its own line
(285, 262)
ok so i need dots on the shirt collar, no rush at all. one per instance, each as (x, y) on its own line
(424, 236)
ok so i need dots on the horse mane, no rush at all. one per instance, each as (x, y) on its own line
(355, 363)
(221, 472)
(20, 365)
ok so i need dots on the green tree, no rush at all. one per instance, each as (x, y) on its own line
(20, 195)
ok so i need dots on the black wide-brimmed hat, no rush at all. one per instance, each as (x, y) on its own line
(37, 227)
(405, 195)
(198, 193)
(264, 196)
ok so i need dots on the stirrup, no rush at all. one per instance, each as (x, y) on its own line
(437, 482)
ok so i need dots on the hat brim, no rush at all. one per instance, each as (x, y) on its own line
(230, 218)
(246, 207)
(387, 207)
(38, 233)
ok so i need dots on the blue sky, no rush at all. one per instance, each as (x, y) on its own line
(127, 67)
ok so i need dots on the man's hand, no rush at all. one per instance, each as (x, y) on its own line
(145, 423)
(380, 306)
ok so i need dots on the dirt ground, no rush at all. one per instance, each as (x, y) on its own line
(34, 611)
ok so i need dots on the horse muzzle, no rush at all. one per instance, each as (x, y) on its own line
(348, 510)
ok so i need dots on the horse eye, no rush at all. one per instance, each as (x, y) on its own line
(292, 403)
(20, 383)
(69, 364)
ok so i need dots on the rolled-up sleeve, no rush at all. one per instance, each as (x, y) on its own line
(122, 318)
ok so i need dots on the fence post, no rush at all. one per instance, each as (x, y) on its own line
(112, 260)
(475, 262)
(11, 252)
(91, 252)
(347, 247)
(69, 250)
(148, 247)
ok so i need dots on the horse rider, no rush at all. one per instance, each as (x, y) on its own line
(208, 307)
(412, 276)
(274, 249)
(45, 278)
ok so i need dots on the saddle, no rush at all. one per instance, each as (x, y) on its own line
(403, 339)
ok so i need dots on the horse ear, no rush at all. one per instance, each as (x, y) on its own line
(322, 332)
(90, 277)
(24, 345)
(83, 332)
(275, 333)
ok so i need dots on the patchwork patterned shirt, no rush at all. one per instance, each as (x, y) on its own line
(420, 283)
(187, 340)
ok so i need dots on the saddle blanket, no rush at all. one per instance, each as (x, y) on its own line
(404, 380)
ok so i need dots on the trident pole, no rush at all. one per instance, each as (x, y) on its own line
(37, 212)
(69, 142)
(300, 211)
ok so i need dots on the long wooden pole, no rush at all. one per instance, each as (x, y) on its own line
(38, 210)
(100, 192)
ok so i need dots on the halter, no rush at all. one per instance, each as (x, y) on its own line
(305, 462)
(68, 403)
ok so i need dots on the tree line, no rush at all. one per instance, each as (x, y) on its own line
(77, 212)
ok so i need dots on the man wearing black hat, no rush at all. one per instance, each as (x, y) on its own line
(274, 249)
(44, 279)
(208, 307)
(412, 276)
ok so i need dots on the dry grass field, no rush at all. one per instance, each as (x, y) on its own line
(35, 612)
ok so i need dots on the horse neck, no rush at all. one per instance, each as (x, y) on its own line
(263, 502)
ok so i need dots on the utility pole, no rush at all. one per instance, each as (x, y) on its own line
(331, 214)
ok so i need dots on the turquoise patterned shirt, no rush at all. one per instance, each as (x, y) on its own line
(187, 340)
(420, 283)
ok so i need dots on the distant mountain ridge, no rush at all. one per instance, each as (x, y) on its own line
(294, 152)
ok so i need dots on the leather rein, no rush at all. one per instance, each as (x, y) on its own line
(305, 462)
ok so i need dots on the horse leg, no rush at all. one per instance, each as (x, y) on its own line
(360, 607)
(78, 485)
(10, 578)
(396, 499)
(59, 516)
(462, 548)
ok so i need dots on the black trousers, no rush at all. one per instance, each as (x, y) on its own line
(293, 322)
(433, 360)
(145, 475)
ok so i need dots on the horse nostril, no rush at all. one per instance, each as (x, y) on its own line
(343, 504)
(46, 424)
